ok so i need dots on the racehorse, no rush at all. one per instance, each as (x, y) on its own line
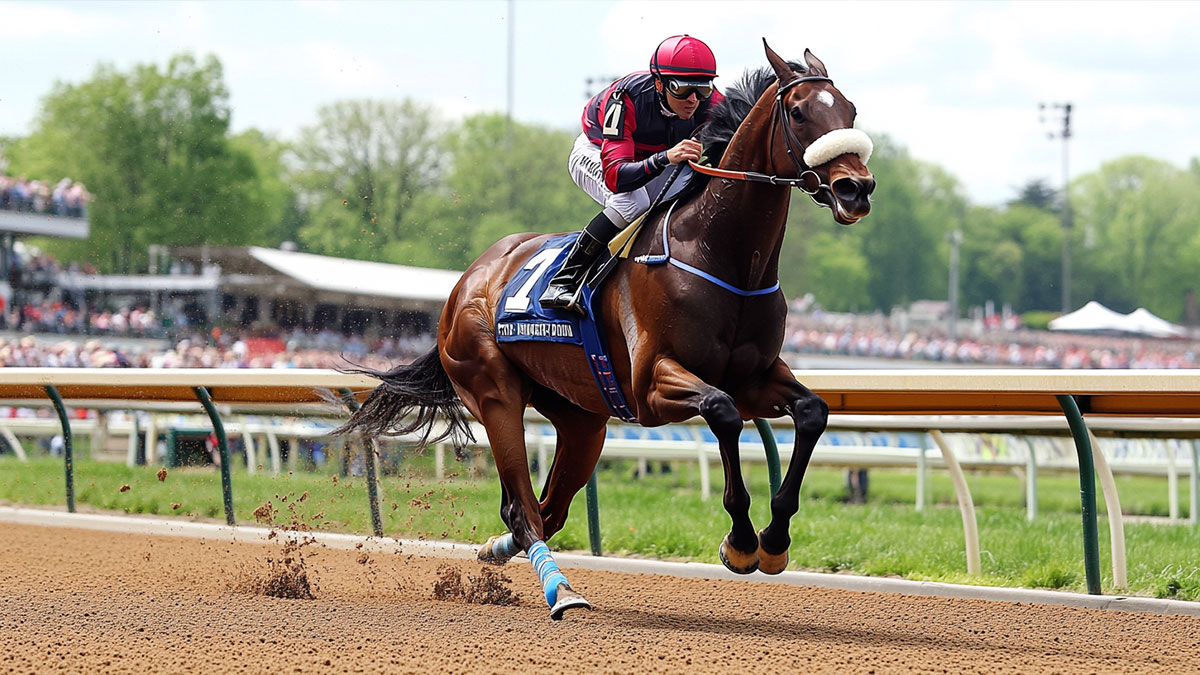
(685, 342)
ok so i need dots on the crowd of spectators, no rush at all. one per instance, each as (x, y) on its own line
(216, 349)
(166, 337)
(805, 336)
(58, 317)
(997, 348)
(65, 198)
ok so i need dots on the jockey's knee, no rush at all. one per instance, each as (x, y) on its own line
(624, 207)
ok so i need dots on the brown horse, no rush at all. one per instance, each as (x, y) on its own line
(681, 344)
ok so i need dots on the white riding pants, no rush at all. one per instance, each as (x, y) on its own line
(588, 173)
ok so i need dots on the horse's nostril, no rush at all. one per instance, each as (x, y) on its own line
(847, 189)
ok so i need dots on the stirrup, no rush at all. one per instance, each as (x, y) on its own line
(555, 302)
(573, 305)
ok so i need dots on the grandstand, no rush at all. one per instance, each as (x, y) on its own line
(289, 289)
(270, 299)
(15, 222)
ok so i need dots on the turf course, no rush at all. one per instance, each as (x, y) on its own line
(661, 515)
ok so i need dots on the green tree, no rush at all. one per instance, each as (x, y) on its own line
(1012, 255)
(151, 145)
(272, 187)
(1038, 194)
(1136, 235)
(901, 246)
(362, 167)
(498, 185)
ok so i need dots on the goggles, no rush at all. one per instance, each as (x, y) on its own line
(681, 89)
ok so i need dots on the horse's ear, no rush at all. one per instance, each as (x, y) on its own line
(782, 70)
(815, 67)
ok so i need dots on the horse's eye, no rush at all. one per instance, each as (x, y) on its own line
(797, 115)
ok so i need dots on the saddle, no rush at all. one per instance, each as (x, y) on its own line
(521, 318)
(685, 185)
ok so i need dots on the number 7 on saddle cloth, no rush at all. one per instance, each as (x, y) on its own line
(520, 318)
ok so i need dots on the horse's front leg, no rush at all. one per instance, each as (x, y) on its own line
(777, 394)
(677, 394)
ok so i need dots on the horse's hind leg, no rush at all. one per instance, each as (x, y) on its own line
(580, 440)
(496, 392)
(782, 393)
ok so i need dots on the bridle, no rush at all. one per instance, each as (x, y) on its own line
(806, 180)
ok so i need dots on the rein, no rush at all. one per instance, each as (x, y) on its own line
(807, 180)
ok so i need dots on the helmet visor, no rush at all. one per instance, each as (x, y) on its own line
(683, 88)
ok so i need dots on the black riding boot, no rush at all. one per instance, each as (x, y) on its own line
(564, 287)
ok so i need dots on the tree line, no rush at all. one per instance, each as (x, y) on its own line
(394, 181)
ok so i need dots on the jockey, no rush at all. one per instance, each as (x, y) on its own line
(632, 132)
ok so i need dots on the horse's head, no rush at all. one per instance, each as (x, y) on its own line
(819, 138)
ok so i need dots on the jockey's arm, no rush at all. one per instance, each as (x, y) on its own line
(622, 173)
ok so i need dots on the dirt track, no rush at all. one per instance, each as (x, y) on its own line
(84, 601)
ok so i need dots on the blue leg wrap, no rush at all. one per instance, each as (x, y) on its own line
(505, 546)
(547, 569)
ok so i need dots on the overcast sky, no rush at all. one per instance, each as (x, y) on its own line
(958, 83)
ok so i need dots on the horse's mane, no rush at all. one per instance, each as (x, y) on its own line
(725, 118)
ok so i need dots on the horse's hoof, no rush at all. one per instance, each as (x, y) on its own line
(736, 561)
(567, 599)
(771, 564)
(488, 555)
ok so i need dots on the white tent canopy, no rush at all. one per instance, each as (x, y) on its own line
(1096, 317)
(1141, 320)
(1092, 316)
(343, 275)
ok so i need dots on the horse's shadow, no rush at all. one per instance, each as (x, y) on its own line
(783, 630)
(912, 636)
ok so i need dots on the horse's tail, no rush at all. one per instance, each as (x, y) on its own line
(408, 400)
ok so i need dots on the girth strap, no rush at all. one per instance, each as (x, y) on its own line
(667, 258)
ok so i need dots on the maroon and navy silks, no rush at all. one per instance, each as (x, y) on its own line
(630, 124)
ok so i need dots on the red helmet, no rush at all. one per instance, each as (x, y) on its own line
(683, 56)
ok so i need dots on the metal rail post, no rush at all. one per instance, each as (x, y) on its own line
(1087, 491)
(593, 512)
(1194, 504)
(774, 475)
(223, 445)
(131, 450)
(372, 477)
(1116, 520)
(1031, 492)
(68, 452)
(966, 505)
(921, 489)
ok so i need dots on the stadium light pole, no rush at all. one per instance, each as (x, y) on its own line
(955, 239)
(1063, 110)
(508, 115)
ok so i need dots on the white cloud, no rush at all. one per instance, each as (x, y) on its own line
(958, 83)
(340, 67)
(27, 22)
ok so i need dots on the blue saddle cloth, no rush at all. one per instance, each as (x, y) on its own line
(520, 317)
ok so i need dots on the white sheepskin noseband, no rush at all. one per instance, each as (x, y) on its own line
(839, 142)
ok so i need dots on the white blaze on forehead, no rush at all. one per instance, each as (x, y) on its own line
(826, 98)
